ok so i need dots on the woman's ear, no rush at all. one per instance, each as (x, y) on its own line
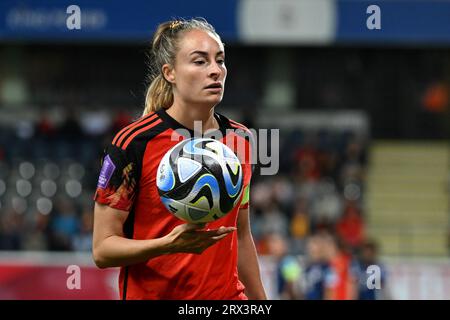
(168, 73)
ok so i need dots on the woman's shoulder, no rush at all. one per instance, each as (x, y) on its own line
(126, 135)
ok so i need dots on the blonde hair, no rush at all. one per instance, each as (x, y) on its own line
(164, 48)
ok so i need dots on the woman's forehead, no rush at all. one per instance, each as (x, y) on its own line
(200, 40)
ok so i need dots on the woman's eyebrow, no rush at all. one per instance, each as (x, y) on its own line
(204, 53)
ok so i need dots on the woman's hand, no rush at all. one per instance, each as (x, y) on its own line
(191, 238)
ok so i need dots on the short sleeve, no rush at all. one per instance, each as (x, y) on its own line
(118, 178)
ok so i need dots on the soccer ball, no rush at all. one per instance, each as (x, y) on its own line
(199, 180)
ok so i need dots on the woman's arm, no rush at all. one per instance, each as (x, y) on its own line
(248, 267)
(111, 249)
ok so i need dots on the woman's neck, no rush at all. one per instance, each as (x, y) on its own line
(188, 115)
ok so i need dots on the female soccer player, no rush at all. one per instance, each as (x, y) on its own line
(160, 256)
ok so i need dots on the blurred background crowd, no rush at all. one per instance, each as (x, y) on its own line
(61, 104)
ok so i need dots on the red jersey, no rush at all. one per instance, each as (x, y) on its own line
(128, 182)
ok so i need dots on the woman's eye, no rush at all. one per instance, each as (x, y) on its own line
(220, 61)
(199, 62)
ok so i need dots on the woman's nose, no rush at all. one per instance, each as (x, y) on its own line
(215, 70)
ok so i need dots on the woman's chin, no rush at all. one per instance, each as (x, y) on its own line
(211, 100)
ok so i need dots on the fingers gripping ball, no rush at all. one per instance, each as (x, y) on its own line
(199, 180)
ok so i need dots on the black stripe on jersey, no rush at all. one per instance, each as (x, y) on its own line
(138, 127)
(145, 136)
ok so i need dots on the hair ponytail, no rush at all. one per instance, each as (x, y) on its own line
(159, 95)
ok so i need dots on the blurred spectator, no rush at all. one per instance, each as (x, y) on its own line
(282, 191)
(307, 160)
(273, 220)
(329, 164)
(260, 192)
(10, 230)
(354, 152)
(432, 116)
(83, 240)
(436, 97)
(36, 237)
(70, 128)
(316, 277)
(64, 225)
(299, 226)
(288, 268)
(326, 204)
(352, 166)
(341, 285)
(369, 257)
(351, 226)
(95, 123)
(25, 129)
(44, 127)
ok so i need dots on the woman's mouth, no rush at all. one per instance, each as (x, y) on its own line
(214, 87)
